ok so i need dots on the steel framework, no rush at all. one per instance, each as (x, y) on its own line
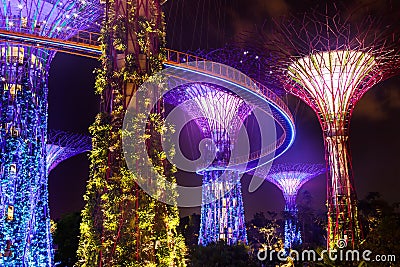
(218, 113)
(25, 238)
(330, 62)
(63, 145)
(289, 178)
(246, 59)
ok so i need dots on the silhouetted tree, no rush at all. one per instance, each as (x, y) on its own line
(221, 255)
(311, 221)
(189, 227)
(66, 239)
(381, 227)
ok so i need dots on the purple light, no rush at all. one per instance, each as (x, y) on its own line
(219, 114)
(289, 178)
(62, 145)
(330, 62)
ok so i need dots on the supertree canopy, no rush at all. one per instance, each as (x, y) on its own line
(63, 145)
(289, 178)
(330, 62)
(23, 116)
(219, 113)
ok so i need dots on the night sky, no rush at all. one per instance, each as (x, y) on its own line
(208, 24)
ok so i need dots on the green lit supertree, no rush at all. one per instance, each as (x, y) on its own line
(121, 224)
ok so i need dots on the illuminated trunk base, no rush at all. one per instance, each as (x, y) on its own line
(342, 200)
(292, 229)
(222, 214)
(25, 238)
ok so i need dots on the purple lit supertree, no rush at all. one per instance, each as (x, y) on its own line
(220, 107)
(330, 62)
(219, 113)
(25, 238)
(289, 178)
(63, 145)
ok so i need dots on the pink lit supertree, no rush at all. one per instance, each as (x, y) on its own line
(330, 62)
(289, 178)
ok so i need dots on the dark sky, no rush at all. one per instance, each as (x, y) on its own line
(208, 24)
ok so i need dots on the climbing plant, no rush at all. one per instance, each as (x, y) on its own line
(121, 224)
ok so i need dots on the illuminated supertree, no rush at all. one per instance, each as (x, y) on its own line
(23, 117)
(121, 224)
(221, 113)
(289, 178)
(329, 63)
(62, 145)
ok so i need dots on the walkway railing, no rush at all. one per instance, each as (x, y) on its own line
(83, 43)
(228, 73)
(87, 44)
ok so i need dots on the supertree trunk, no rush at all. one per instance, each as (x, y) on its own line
(342, 200)
(222, 215)
(122, 225)
(292, 229)
(25, 238)
(23, 88)
(330, 61)
(289, 178)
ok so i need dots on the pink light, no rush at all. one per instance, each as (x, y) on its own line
(332, 77)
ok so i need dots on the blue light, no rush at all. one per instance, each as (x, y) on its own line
(222, 213)
(26, 238)
(51, 43)
(223, 218)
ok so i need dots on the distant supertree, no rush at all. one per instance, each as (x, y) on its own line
(25, 223)
(63, 145)
(329, 63)
(289, 178)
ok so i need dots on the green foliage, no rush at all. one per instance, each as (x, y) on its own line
(121, 224)
(263, 231)
(381, 225)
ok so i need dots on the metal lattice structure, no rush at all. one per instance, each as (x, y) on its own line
(330, 62)
(63, 145)
(130, 227)
(289, 178)
(25, 228)
(245, 59)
